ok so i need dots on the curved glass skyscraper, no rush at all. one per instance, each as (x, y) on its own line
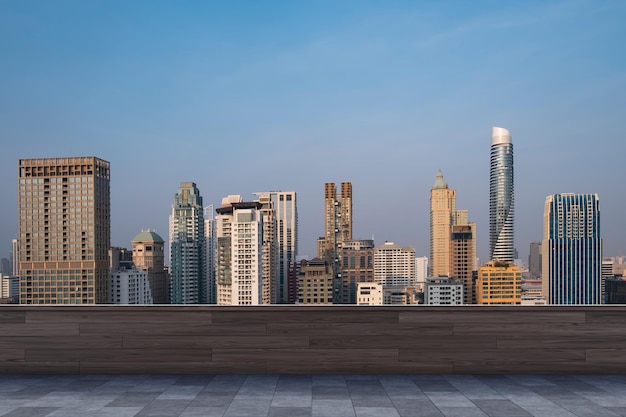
(501, 198)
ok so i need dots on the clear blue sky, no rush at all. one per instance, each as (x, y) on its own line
(286, 95)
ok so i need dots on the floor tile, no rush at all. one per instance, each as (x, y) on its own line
(30, 412)
(291, 412)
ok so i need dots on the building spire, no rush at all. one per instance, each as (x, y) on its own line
(439, 182)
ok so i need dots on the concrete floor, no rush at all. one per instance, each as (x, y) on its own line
(313, 395)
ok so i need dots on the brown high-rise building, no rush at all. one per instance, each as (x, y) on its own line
(148, 254)
(337, 219)
(463, 258)
(357, 265)
(337, 229)
(64, 227)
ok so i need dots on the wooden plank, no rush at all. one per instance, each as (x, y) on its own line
(562, 342)
(395, 342)
(11, 316)
(365, 329)
(349, 315)
(113, 316)
(190, 329)
(574, 367)
(323, 367)
(53, 342)
(39, 329)
(172, 367)
(308, 355)
(11, 354)
(171, 329)
(540, 330)
(27, 368)
(486, 356)
(606, 315)
(215, 342)
(118, 355)
(603, 356)
(488, 316)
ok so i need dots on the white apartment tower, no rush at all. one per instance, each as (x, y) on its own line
(501, 197)
(394, 265)
(210, 242)
(129, 285)
(280, 217)
(239, 253)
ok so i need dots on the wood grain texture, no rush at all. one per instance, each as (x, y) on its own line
(172, 367)
(306, 355)
(11, 316)
(54, 342)
(36, 329)
(216, 342)
(119, 355)
(312, 339)
(372, 328)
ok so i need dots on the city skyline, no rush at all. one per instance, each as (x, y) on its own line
(379, 95)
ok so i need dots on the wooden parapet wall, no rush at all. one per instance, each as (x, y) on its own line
(312, 339)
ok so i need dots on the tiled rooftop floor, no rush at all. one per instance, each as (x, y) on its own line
(313, 395)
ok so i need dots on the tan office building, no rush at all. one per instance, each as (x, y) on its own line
(315, 282)
(442, 217)
(499, 283)
(149, 255)
(64, 229)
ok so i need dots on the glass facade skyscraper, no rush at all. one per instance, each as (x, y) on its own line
(187, 284)
(572, 249)
(501, 197)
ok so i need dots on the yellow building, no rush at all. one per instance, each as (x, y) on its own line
(499, 283)
(442, 217)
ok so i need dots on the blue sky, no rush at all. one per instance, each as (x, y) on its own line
(285, 95)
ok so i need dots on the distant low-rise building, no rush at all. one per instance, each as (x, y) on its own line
(10, 288)
(615, 290)
(315, 282)
(443, 291)
(369, 294)
(499, 283)
(129, 285)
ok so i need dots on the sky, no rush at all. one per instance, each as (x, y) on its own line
(249, 96)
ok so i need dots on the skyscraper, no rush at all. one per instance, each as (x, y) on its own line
(64, 230)
(501, 197)
(572, 249)
(284, 205)
(337, 218)
(463, 258)
(210, 244)
(239, 253)
(442, 217)
(337, 229)
(187, 246)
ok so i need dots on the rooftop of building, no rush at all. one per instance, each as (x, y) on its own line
(148, 236)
